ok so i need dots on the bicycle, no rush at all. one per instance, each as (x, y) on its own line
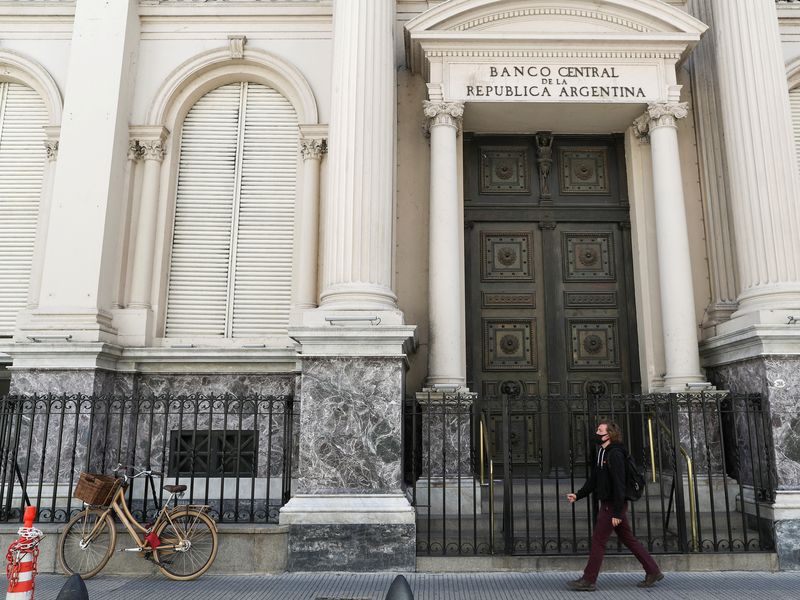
(182, 541)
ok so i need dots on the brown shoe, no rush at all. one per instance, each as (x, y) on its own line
(581, 585)
(650, 580)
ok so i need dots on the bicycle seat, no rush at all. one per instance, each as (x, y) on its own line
(175, 489)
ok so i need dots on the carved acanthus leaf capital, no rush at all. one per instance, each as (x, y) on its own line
(443, 113)
(665, 114)
(313, 148)
(152, 149)
(51, 147)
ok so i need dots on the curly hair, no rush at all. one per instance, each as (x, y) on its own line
(614, 430)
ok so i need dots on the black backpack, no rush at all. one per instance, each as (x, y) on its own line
(634, 479)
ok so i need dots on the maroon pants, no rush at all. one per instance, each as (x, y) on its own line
(602, 531)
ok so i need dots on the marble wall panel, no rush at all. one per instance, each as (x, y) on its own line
(351, 425)
(775, 378)
(40, 381)
(236, 384)
(787, 535)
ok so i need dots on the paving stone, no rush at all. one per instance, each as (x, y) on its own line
(478, 586)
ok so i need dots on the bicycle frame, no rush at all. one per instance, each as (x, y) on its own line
(135, 529)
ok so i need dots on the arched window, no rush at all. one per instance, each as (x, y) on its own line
(231, 260)
(23, 115)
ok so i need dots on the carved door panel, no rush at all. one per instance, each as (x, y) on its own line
(550, 297)
(506, 328)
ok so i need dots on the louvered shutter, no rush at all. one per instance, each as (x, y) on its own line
(794, 101)
(197, 295)
(263, 259)
(23, 115)
(231, 261)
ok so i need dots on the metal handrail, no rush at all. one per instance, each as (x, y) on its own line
(689, 472)
(484, 447)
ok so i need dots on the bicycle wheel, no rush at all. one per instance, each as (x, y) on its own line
(194, 536)
(87, 542)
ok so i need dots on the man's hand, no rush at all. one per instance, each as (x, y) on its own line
(615, 522)
(572, 497)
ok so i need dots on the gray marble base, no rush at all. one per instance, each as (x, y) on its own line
(787, 534)
(446, 428)
(85, 381)
(775, 378)
(368, 547)
(99, 382)
(351, 417)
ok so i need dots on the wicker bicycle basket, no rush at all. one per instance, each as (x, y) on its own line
(96, 489)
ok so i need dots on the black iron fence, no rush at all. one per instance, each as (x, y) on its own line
(490, 475)
(234, 454)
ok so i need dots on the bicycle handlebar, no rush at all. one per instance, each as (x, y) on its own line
(137, 471)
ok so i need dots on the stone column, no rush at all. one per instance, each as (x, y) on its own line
(42, 223)
(151, 141)
(357, 264)
(312, 149)
(82, 240)
(445, 270)
(765, 184)
(672, 241)
(349, 511)
(714, 177)
(754, 350)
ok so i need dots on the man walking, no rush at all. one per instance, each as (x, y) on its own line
(607, 482)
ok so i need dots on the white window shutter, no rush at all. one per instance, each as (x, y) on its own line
(263, 259)
(199, 266)
(231, 262)
(23, 116)
(794, 101)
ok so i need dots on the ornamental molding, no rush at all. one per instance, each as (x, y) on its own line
(236, 43)
(541, 53)
(570, 13)
(443, 113)
(147, 143)
(313, 148)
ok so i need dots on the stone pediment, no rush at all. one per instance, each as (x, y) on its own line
(478, 25)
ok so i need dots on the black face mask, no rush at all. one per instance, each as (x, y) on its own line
(599, 439)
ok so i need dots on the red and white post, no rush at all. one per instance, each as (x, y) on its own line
(22, 556)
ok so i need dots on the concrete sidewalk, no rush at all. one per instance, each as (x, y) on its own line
(488, 586)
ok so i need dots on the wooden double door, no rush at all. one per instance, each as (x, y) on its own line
(550, 295)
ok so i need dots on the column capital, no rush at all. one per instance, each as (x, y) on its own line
(313, 148)
(52, 133)
(659, 114)
(147, 142)
(443, 113)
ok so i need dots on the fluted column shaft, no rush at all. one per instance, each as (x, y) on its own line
(312, 150)
(445, 272)
(357, 271)
(713, 171)
(42, 223)
(152, 151)
(760, 151)
(672, 242)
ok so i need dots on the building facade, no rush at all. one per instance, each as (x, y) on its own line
(354, 201)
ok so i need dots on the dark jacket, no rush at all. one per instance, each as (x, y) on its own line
(607, 477)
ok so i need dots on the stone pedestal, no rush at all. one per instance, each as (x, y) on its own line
(349, 511)
(446, 481)
(775, 378)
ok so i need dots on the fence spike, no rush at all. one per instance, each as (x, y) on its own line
(74, 589)
(400, 590)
